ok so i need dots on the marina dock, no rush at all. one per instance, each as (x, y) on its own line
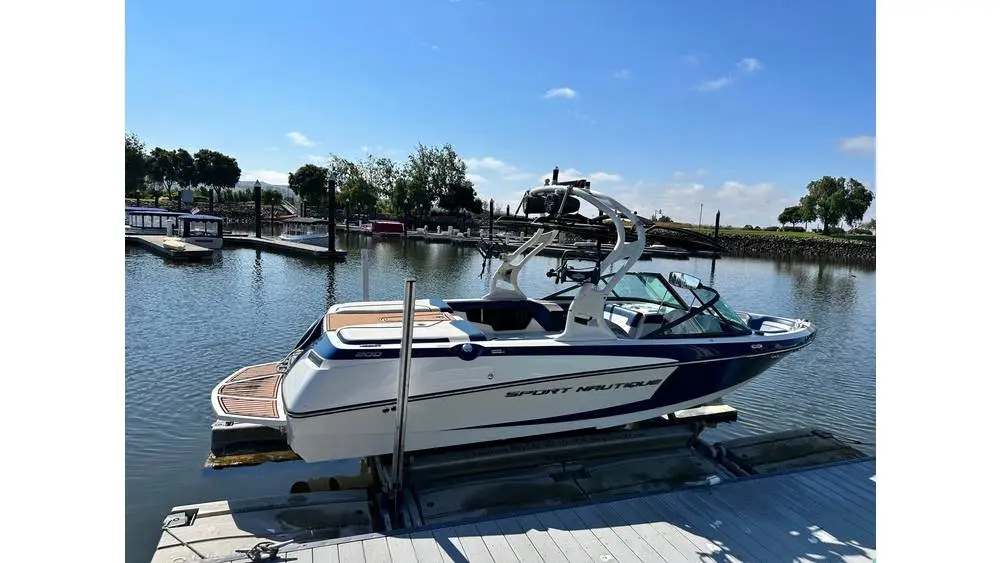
(274, 244)
(655, 491)
(155, 243)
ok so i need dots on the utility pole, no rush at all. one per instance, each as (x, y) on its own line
(701, 206)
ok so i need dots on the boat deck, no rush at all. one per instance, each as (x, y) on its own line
(251, 392)
(820, 513)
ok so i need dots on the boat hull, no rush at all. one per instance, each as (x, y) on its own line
(635, 389)
(317, 239)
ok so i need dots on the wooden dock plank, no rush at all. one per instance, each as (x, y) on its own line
(742, 539)
(401, 549)
(825, 513)
(589, 519)
(376, 550)
(570, 547)
(678, 522)
(762, 521)
(299, 556)
(352, 552)
(472, 544)
(547, 544)
(540, 538)
(425, 546)
(849, 507)
(500, 550)
(641, 520)
(523, 549)
(326, 554)
(587, 540)
(623, 530)
(449, 546)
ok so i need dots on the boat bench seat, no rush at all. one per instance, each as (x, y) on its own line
(625, 318)
(635, 324)
(512, 315)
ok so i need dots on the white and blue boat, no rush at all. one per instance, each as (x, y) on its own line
(616, 347)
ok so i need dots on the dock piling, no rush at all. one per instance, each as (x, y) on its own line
(331, 231)
(405, 351)
(256, 209)
(364, 273)
(718, 214)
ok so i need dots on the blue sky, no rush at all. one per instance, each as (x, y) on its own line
(664, 104)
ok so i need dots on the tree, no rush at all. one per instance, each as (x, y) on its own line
(159, 172)
(309, 182)
(135, 166)
(856, 202)
(789, 215)
(184, 170)
(832, 199)
(436, 176)
(216, 171)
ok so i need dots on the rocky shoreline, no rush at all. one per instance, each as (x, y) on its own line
(798, 247)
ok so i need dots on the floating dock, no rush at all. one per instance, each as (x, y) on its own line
(653, 491)
(155, 243)
(274, 244)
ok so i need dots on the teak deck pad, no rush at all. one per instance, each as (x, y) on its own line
(252, 391)
(336, 321)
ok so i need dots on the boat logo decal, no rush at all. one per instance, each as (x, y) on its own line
(584, 388)
(368, 354)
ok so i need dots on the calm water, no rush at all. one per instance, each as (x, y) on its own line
(189, 325)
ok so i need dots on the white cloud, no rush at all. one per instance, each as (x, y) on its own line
(622, 74)
(365, 149)
(489, 163)
(299, 139)
(269, 176)
(563, 92)
(476, 179)
(750, 65)
(699, 173)
(604, 177)
(862, 144)
(434, 47)
(317, 159)
(717, 84)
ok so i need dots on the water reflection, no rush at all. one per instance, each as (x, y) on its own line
(257, 281)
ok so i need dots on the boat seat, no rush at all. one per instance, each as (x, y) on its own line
(625, 318)
(509, 315)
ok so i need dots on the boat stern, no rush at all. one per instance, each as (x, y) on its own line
(251, 394)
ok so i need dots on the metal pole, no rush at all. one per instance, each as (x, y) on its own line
(331, 213)
(701, 207)
(256, 209)
(491, 219)
(364, 274)
(405, 352)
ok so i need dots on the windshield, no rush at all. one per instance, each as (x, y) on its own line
(720, 307)
(634, 286)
